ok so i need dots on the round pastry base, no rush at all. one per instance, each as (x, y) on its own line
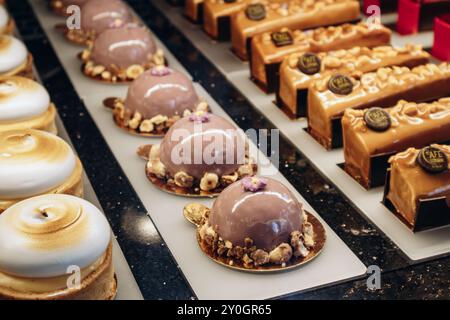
(319, 240)
(114, 289)
(179, 191)
(58, 8)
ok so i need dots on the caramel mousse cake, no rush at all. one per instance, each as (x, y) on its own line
(14, 58)
(299, 70)
(36, 162)
(257, 224)
(371, 136)
(55, 247)
(419, 187)
(269, 49)
(25, 104)
(6, 23)
(193, 9)
(121, 54)
(330, 96)
(217, 16)
(60, 6)
(155, 100)
(294, 14)
(200, 155)
(98, 16)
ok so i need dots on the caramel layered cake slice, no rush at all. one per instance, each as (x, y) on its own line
(217, 16)
(121, 54)
(193, 9)
(257, 18)
(257, 224)
(299, 70)
(418, 187)
(270, 48)
(330, 96)
(34, 163)
(371, 136)
(6, 22)
(14, 58)
(56, 247)
(25, 104)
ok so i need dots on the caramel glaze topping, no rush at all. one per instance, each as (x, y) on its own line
(409, 182)
(375, 88)
(412, 124)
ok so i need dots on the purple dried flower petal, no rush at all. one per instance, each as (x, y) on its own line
(254, 184)
(200, 117)
(160, 71)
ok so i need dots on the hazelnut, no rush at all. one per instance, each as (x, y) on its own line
(85, 55)
(146, 126)
(136, 121)
(158, 57)
(332, 62)
(202, 106)
(187, 113)
(229, 179)
(281, 254)
(106, 75)
(159, 119)
(154, 152)
(209, 182)
(134, 71)
(297, 243)
(157, 168)
(98, 70)
(245, 170)
(260, 257)
(182, 179)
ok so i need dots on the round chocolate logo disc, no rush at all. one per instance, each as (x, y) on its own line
(309, 64)
(377, 119)
(229, 1)
(282, 38)
(432, 160)
(340, 84)
(256, 11)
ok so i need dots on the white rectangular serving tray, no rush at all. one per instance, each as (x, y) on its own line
(208, 280)
(419, 246)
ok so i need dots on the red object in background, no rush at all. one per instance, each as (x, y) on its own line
(368, 3)
(408, 16)
(441, 46)
(417, 15)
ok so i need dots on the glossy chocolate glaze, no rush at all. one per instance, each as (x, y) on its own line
(99, 15)
(267, 216)
(123, 47)
(413, 125)
(186, 135)
(167, 95)
(409, 183)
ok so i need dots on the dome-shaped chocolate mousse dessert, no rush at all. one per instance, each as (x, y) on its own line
(257, 223)
(200, 155)
(155, 100)
(98, 16)
(121, 54)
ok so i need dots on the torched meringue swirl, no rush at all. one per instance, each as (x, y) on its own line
(42, 237)
(13, 53)
(4, 17)
(33, 162)
(21, 99)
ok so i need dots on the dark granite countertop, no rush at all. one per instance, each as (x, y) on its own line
(152, 264)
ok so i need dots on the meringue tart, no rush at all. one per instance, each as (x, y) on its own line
(25, 104)
(6, 23)
(34, 163)
(14, 58)
(55, 247)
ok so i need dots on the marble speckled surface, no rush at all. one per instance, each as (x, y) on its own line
(151, 263)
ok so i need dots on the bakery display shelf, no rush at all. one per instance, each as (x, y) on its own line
(166, 210)
(417, 247)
